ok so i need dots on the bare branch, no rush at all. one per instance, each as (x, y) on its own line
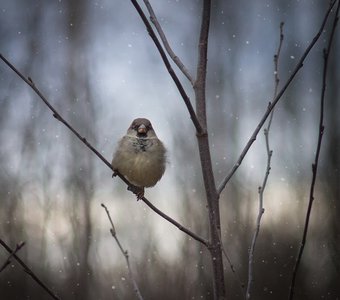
(178, 225)
(125, 253)
(277, 98)
(28, 270)
(165, 42)
(29, 81)
(317, 154)
(205, 157)
(8, 260)
(56, 115)
(169, 68)
(268, 168)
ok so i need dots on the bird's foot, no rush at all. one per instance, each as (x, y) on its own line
(114, 174)
(138, 191)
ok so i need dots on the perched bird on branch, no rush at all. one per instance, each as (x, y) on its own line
(140, 156)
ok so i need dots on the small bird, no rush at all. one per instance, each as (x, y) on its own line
(140, 156)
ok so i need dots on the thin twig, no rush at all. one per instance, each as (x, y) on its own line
(169, 68)
(240, 283)
(28, 270)
(29, 81)
(125, 253)
(268, 168)
(317, 154)
(276, 72)
(272, 104)
(8, 260)
(165, 42)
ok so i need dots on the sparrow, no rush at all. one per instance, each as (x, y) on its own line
(140, 156)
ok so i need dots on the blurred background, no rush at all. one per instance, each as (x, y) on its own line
(96, 64)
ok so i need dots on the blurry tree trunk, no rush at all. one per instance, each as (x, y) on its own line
(80, 180)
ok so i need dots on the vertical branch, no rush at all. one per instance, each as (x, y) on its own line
(125, 253)
(317, 154)
(205, 157)
(269, 156)
(200, 83)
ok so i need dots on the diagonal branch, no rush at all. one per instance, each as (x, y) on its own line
(125, 253)
(317, 154)
(166, 44)
(169, 68)
(96, 152)
(178, 225)
(8, 260)
(30, 82)
(28, 270)
(271, 105)
(266, 175)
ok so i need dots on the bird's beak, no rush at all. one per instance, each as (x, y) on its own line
(142, 129)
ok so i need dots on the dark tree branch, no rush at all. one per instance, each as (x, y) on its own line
(172, 73)
(125, 253)
(205, 157)
(178, 225)
(326, 53)
(56, 115)
(166, 44)
(8, 260)
(274, 102)
(28, 270)
(96, 152)
(268, 168)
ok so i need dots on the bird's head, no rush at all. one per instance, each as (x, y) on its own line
(141, 128)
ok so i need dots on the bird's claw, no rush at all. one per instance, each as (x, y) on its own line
(114, 174)
(138, 191)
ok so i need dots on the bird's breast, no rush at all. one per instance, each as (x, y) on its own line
(142, 145)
